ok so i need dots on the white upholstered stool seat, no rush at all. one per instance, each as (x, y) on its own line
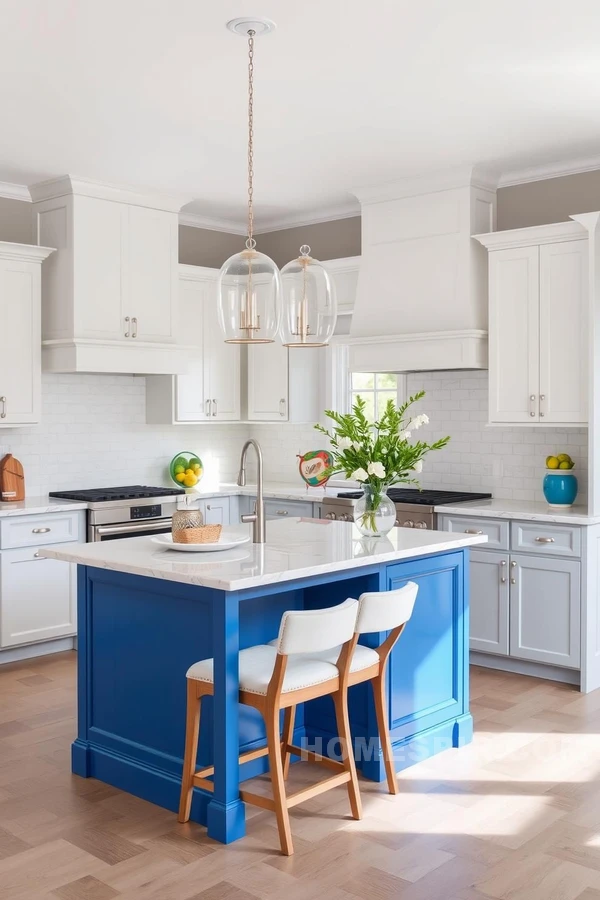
(256, 665)
(362, 658)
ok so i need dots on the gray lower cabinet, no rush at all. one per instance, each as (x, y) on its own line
(489, 602)
(545, 609)
(281, 509)
(215, 510)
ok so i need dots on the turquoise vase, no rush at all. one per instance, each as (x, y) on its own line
(560, 488)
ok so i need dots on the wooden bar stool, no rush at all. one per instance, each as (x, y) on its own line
(377, 612)
(275, 677)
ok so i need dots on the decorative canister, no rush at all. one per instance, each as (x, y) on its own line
(560, 487)
(188, 528)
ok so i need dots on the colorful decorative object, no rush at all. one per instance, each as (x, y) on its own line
(186, 469)
(315, 467)
(377, 455)
(560, 484)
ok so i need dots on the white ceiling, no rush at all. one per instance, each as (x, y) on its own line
(348, 93)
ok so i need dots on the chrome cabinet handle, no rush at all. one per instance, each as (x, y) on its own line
(216, 410)
(134, 324)
(513, 564)
(37, 555)
(545, 540)
(502, 562)
(542, 400)
(282, 407)
(3, 402)
(532, 400)
(127, 320)
(207, 407)
(513, 580)
(472, 531)
(503, 580)
(40, 530)
(282, 512)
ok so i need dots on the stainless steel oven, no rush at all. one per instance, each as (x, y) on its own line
(414, 508)
(124, 512)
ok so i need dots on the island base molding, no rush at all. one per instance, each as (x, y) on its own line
(138, 636)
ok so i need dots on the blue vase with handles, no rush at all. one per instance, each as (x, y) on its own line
(560, 487)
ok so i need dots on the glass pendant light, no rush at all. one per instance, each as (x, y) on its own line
(309, 304)
(249, 282)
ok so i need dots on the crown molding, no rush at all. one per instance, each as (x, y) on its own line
(342, 264)
(533, 234)
(195, 220)
(348, 210)
(197, 273)
(549, 170)
(459, 177)
(68, 185)
(10, 191)
(24, 252)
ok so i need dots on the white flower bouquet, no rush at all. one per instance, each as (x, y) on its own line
(378, 454)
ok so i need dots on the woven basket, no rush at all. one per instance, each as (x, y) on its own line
(204, 534)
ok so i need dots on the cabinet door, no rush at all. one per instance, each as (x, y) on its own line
(281, 509)
(215, 511)
(99, 285)
(20, 343)
(221, 366)
(514, 335)
(545, 610)
(151, 266)
(564, 335)
(489, 602)
(268, 373)
(191, 391)
(37, 598)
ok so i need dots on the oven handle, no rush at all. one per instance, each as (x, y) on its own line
(159, 525)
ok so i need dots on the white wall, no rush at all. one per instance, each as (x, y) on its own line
(94, 434)
(508, 462)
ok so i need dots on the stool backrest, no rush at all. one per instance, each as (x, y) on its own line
(385, 610)
(313, 630)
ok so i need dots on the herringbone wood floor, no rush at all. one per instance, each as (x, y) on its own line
(515, 815)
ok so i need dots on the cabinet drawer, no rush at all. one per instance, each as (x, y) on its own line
(496, 529)
(282, 509)
(38, 531)
(553, 540)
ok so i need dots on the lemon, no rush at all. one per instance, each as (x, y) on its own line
(190, 479)
(552, 462)
(197, 467)
(180, 476)
(564, 457)
(194, 461)
(189, 471)
(564, 465)
(178, 470)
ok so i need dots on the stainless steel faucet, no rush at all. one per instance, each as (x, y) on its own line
(258, 516)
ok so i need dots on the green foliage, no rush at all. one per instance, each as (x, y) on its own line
(357, 443)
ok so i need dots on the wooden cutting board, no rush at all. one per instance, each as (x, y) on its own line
(12, 479)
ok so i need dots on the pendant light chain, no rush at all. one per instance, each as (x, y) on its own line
(250, 243)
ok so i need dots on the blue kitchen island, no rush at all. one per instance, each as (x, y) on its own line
(146, 614)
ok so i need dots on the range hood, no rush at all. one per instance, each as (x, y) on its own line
(421, 301)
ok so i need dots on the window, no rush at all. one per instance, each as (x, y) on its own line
(375, 389)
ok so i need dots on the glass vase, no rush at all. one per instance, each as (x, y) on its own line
(374, 513)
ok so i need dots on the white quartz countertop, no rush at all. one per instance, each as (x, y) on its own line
(33, 506)
(521, 509)
(296, 548)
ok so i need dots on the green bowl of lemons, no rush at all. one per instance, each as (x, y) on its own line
(186, 469)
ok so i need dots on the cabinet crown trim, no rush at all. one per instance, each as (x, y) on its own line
(68, 185)
(24, 252)
(536, 234)
(197, 273)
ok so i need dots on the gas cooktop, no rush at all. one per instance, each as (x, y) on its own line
(422, 498)
(105, 495)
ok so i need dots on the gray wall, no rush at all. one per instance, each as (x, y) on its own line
(16, 221)
(201, 247)
(327, 240)
(552, 200)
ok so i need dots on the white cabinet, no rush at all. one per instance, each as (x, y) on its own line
(215, 511)
(489, 602)
(538, 325)
(211, 392)
(109, 297)
(545, 610)
(20, 333)
(286, 385)
(37, 598)
(268, 395)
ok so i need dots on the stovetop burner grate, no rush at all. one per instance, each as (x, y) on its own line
(422, 498)
(127, 492)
